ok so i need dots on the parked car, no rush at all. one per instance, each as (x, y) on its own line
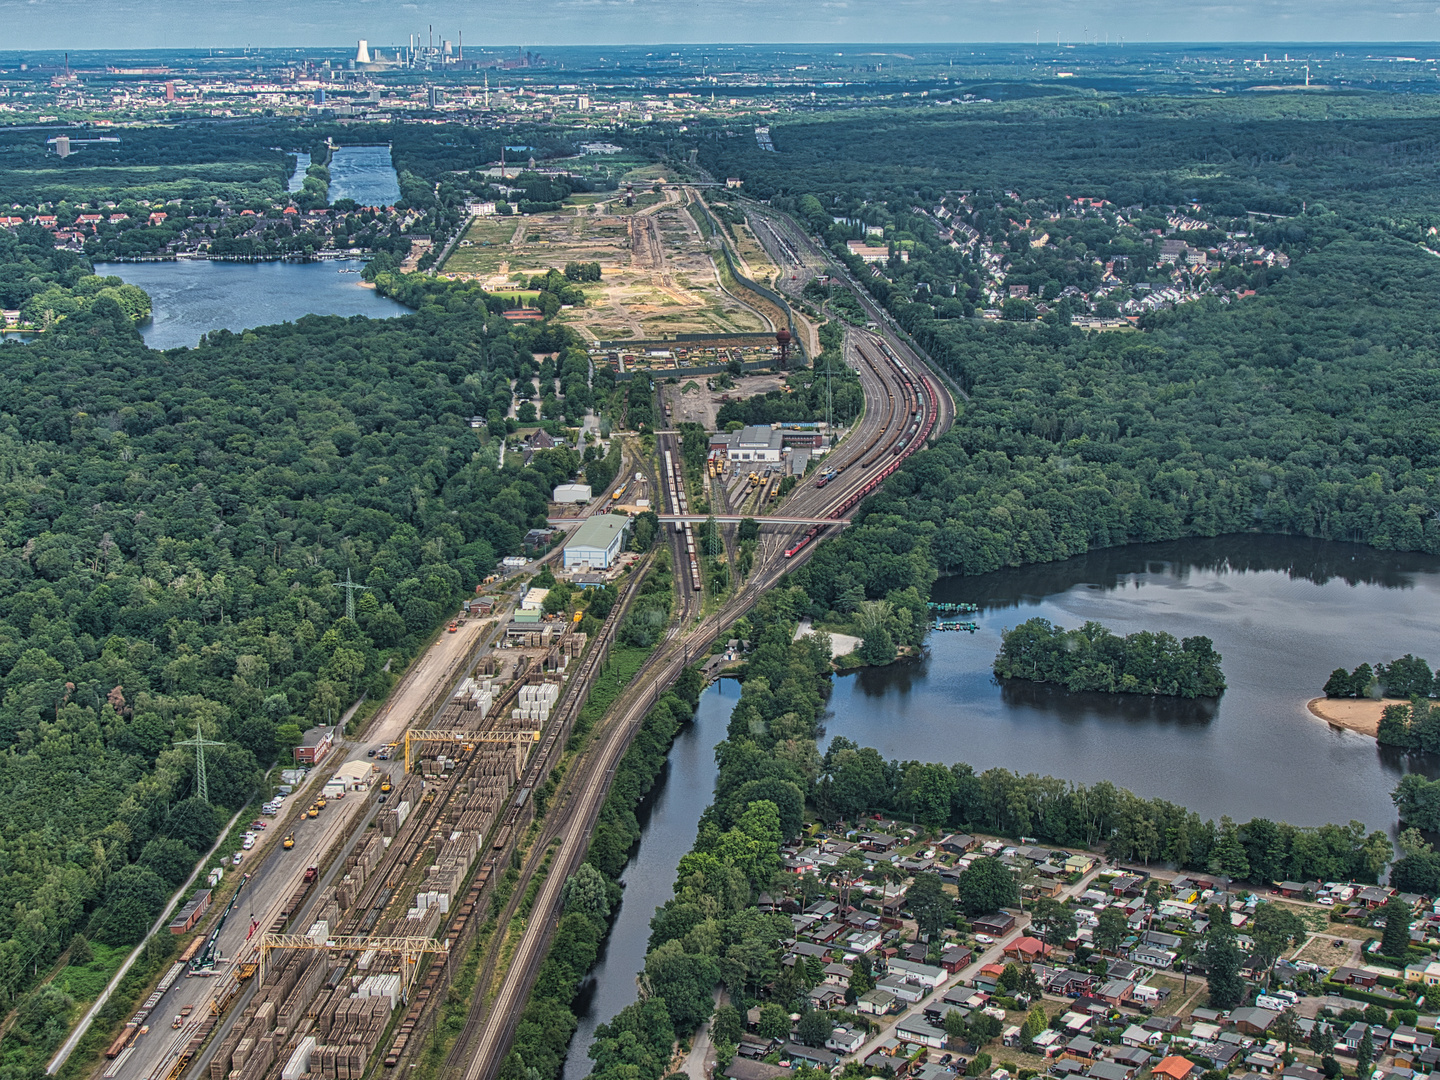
(239, 855)
(985, 939)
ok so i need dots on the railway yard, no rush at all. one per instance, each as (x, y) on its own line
(331, 960)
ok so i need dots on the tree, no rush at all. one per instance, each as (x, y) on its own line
(133, 896)
(1395, 942)
(171, 859)
(1222, 966)
(1275, 928)
(774, 1022)
(1364, 1053)
(193, 822)
(987, 886)
(1111, 930)
(1286, 1029)
(727, 1025)
(929, 903)
(586, 891)
(1054, 920)
(955, 1027)
(815, 1028)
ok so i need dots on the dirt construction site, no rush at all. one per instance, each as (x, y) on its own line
(658, 277)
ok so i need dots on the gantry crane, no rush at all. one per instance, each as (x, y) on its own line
(520, 739)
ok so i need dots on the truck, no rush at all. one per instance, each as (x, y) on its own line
(311, 873)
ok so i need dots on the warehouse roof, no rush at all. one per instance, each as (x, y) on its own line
(598, 531)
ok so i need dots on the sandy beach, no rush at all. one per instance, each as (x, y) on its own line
(1354, 714)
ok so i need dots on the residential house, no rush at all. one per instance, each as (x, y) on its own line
(742, 1068)
(958, 844)
(956, 958)
(1028, 949)
(845, 1040)
(809, 1055)
(907, 992)
(1083, 1049)
(1116, 992)
(1253, 1021)
(1173, 1068)
(923, 974)
(875, 1002)
(1132, 1057)
(1109, 1070)
(1002, 922)
(1138, 1038)
(1153, 957)
(917, 1029)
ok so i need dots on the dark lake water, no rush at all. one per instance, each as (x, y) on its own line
(365, 174)
(668, 820)
(1282, 612)
(191, 298)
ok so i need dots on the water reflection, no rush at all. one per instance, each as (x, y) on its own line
(1074, 708)
(1283, 613)
(1295, 558)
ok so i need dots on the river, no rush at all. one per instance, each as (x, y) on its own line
(190, 298)
(1283, 613)
(365, 174)
(668, 818)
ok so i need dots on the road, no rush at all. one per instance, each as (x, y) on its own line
(277, 874)
(994, 954)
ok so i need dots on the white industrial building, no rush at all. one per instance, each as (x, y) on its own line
(572, 493)
(598, 542)
(752, 444)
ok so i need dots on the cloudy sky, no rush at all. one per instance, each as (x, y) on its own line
(133, 24)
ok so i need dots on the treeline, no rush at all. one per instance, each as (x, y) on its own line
(46, 284)
(1093, 658)
(174, 530)
(856, 781)
(1304, 410)
(547, 1023)
(710, 931)
(1408, 677)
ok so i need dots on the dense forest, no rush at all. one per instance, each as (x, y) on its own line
(174, 527)
(1309, 409)
(45, 285)
(1093, 658)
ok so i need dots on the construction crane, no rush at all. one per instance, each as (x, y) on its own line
(409, 948)
(520, 739)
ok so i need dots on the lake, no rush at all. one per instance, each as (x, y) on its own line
(1282, 612)
(190, 298)
(365, 174)
(668, 819)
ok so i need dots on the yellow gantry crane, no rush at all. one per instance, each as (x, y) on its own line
(520, 739)
(410, 949)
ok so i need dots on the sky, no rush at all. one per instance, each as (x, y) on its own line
(138, 24)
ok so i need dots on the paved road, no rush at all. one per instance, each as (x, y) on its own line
(994, 954)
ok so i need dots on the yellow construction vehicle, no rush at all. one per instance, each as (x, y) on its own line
(385, 784)
(320, 802)
(288, 842)
(314, 811)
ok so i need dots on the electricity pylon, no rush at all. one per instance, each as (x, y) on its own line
(350, 588)
(202, 788)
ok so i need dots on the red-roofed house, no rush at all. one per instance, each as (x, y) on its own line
(89, 219)
(119, 217)
(158, 217)
(1028, 949)
(47, 220)
(1173, 1068)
